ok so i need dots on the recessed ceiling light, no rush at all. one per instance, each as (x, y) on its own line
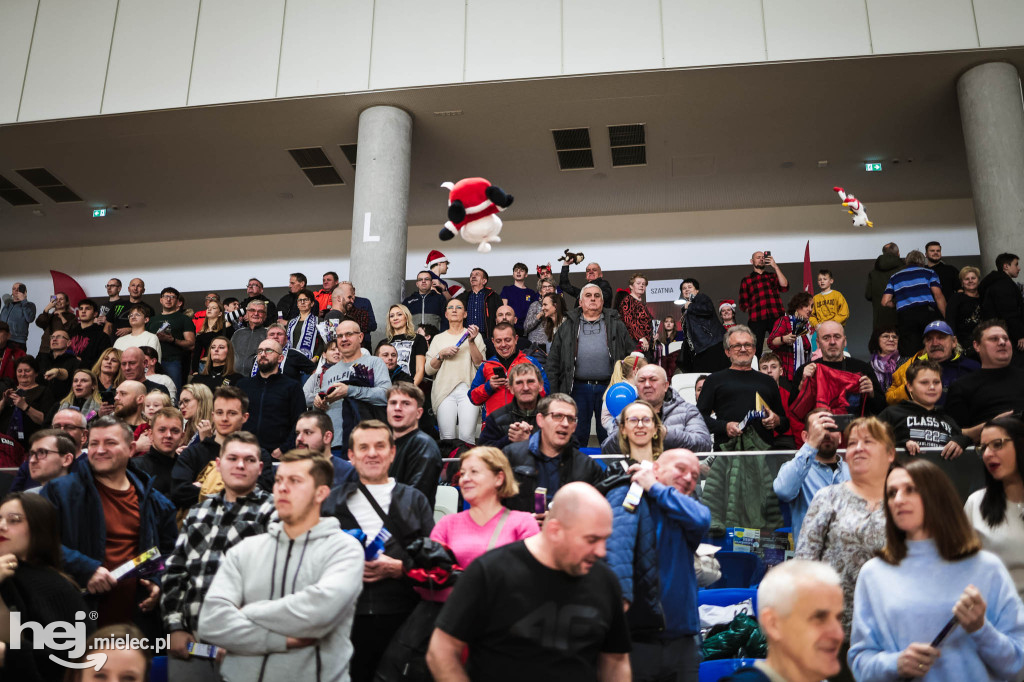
(823, 163)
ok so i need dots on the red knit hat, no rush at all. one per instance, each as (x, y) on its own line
(435, 257)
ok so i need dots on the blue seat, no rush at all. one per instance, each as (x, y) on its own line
(727, 596)
(158, 669)
(712, 671)
(739, 569)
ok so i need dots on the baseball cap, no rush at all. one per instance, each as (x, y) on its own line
(938, 326)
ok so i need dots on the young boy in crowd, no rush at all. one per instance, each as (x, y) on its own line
(828, 304)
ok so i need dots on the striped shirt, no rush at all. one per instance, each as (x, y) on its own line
(913, 287)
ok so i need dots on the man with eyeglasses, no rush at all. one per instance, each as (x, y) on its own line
(582, 354)
(254, 292)
(51, 452)
(247, 339)
(68, 420)
(731, 393)
(685, 427)
(57, 366)
(651, 551)
(549, 458)
(113, 306)
(176, 333)
(292, 363)
(346, 399)
(426, 304)
(993, 391)
(275, 401)
(138, 318)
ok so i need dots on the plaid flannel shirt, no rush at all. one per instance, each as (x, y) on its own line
(759, 296)
(210, 529)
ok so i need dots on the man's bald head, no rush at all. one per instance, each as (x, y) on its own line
(133, 388)
(576, 500)
(678, 468)
(577, 526)
(505, 313)
(831, 340)
(133, 364)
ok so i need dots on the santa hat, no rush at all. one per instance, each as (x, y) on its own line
(435, 257)
(726, 302)
(455, 290)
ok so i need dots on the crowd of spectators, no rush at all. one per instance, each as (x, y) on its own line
(242, 439)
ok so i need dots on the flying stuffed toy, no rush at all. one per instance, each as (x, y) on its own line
(855, 208)
(473, 205)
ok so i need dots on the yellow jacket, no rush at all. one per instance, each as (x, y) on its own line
(830, 306)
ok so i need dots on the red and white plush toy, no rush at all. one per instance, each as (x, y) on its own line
(473, 205)
(855, 208)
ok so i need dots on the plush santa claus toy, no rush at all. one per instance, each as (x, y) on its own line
(473, 205)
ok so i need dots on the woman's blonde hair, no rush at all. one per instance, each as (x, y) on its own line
(409, 329)
(657, 441)
(95, 397)
(497, 462)
(218, 325)
(876, 428)
(203, 396)
(97, 368)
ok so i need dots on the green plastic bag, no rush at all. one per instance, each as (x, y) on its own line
(742, 639)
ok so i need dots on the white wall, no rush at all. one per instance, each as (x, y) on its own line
(86, 57)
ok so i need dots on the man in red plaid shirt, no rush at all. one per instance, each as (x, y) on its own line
(759, 296)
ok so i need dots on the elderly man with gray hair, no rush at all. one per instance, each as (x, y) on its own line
(582, 353)
(247, 339)
(799, 604)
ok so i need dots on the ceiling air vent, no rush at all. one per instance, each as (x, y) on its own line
(629, 145)
(13, 195)
(572, 146)
(349, 150)
(47, 183)
(316, 166)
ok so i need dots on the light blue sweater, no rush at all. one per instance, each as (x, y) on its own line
(800, 478)
(897, 605)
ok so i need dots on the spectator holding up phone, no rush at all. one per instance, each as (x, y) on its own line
(490, 386)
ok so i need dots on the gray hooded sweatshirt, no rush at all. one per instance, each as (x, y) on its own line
(270, 587)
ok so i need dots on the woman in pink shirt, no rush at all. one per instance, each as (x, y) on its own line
(485, 479)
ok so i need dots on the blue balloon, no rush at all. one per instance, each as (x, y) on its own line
(618, 396)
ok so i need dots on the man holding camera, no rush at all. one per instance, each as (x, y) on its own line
(759, 296)
(816, 465)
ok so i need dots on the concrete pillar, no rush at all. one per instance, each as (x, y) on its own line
(992, 111)
(380, 208)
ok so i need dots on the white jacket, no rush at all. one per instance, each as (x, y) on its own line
(270, 587)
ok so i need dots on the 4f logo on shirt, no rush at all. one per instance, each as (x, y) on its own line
(568, 628)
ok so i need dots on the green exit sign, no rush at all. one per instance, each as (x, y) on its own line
(872, 167)
(99, 213)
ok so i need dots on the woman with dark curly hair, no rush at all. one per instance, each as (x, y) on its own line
(790, 338)
(885, 354)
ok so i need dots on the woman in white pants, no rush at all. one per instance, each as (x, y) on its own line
(452, 365)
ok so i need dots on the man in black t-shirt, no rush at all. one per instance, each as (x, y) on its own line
(87, 337)
(995, 389)
(545, 608)
(176, 332)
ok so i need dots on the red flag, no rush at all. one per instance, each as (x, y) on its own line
(808, 277)
(66, 284)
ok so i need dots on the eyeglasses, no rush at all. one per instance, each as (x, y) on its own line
(889, 337)
(741, 346)
(561, 417)
(69, 427)
(13, 519)
(633, 421)
(996, 444)
(267, 351)
(302, 300)
(41, 453)
(347, 335)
